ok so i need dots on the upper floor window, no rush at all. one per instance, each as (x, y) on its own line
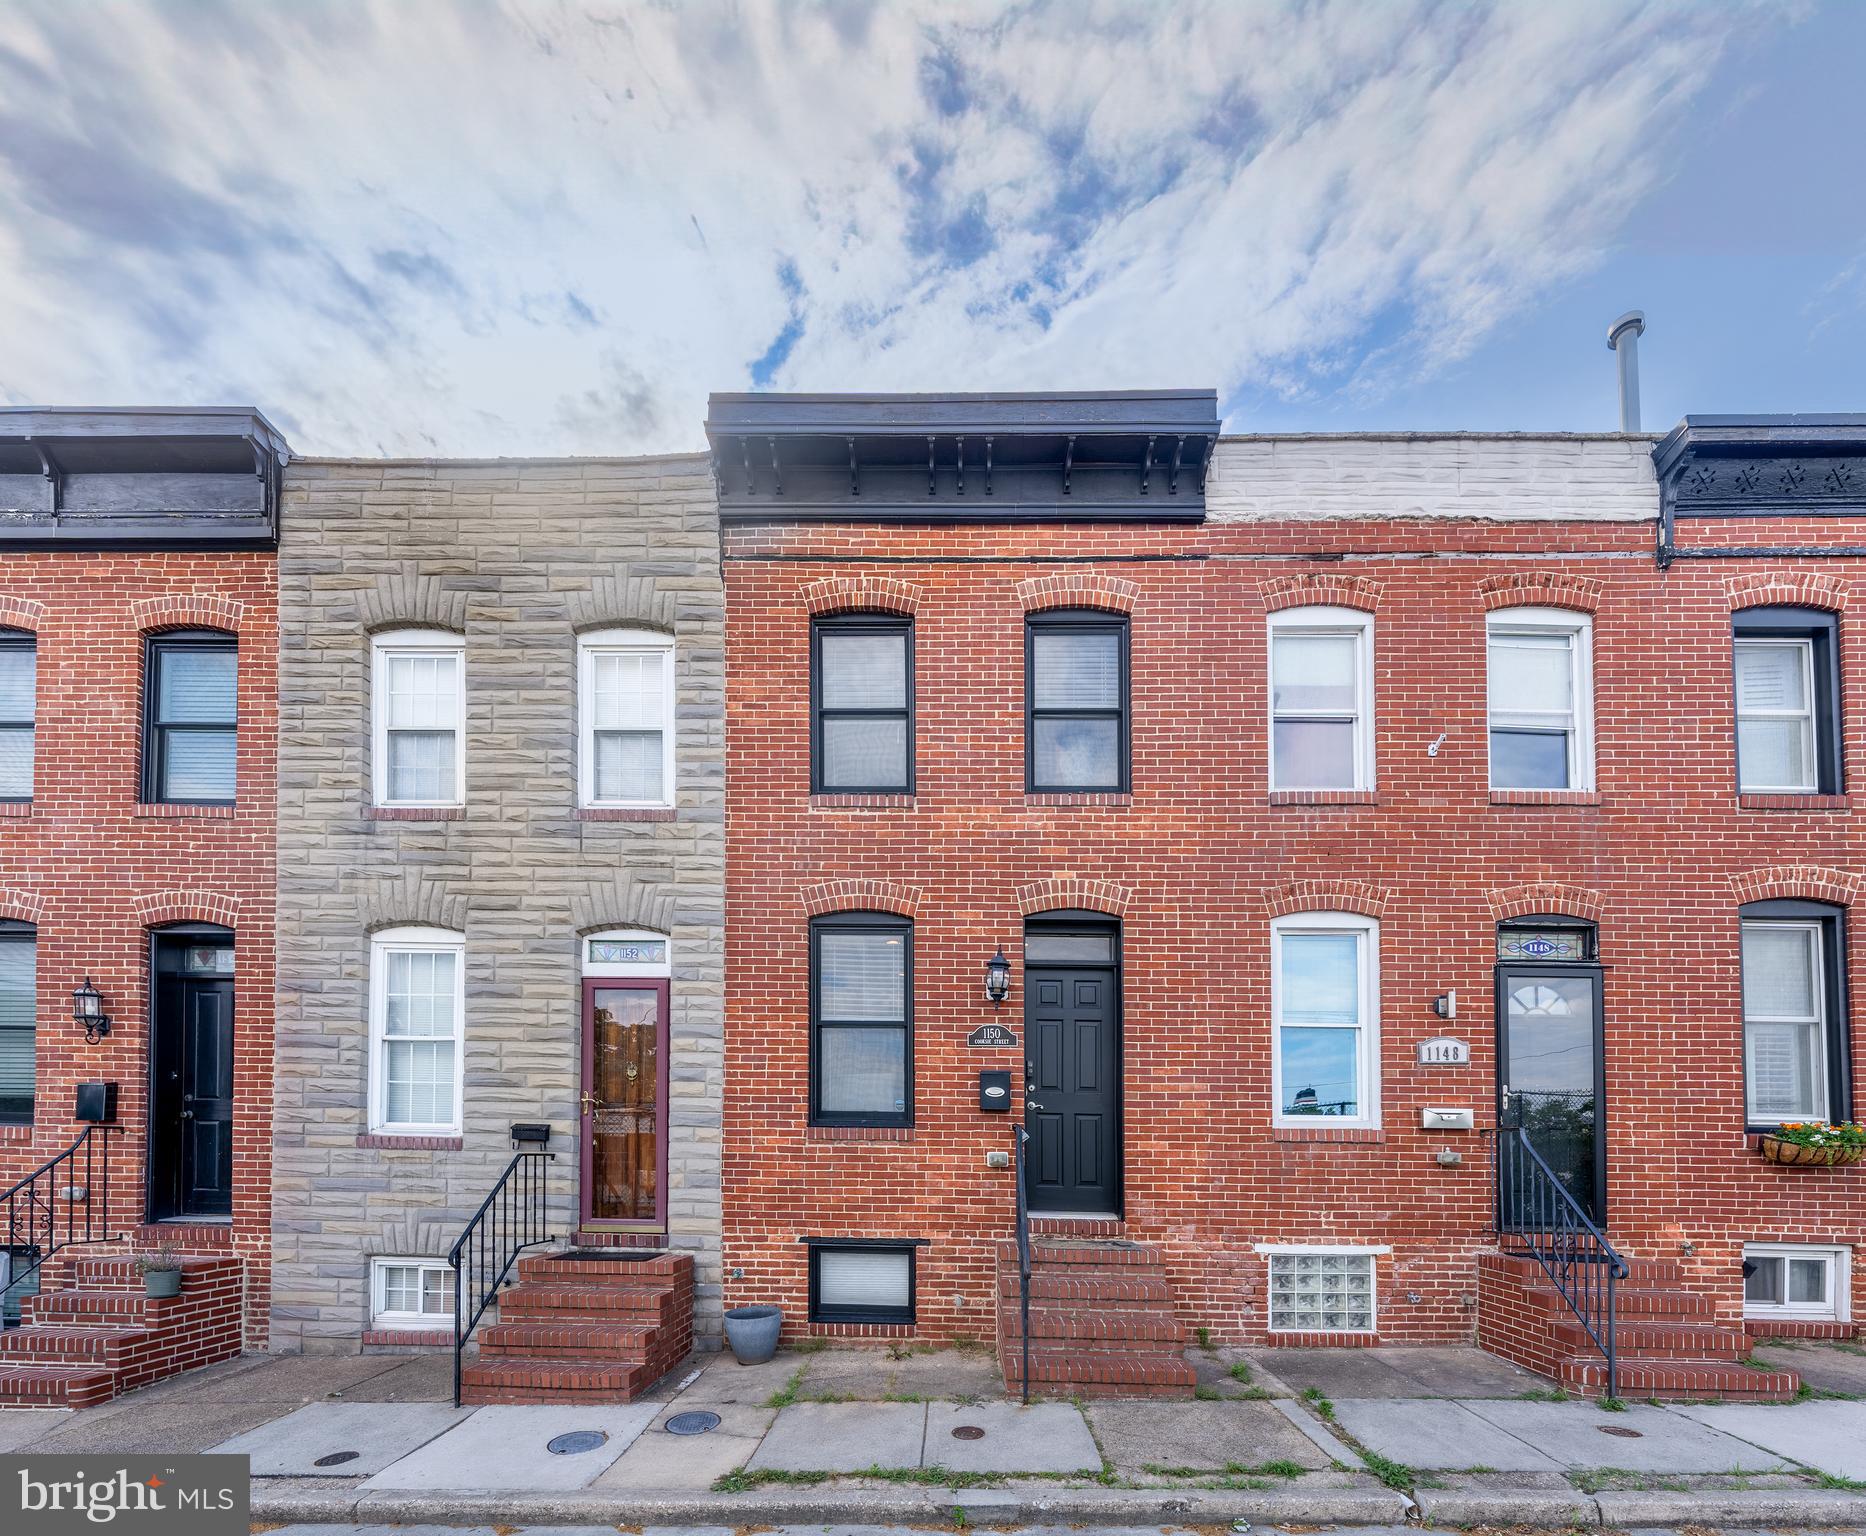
(1324, 1001)
(861, 1019)
(190, 694)
(1541, 699)
(1321, 699)
(417, 997)
(1076, 701)
(18, 1020)
(19, 656)
(1787, 702)
(1795, 1049)
(627, 714)
(420, 718)
(862, 696)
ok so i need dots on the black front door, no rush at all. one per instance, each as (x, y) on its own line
(191, 1099)
(1550, 1078)
(1072, 1089)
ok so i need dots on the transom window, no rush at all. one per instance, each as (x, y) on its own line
(411, 1293)
(1541, 699)
(417, 1007)
(19, 981)
(1321, 692)
(862, 682)
(1795, 1282)
(626, 952)
(420, 718)
(1076, 701)
(19, 658)
(190, 708)
(1787, 719)
(627, 713)
(1324, 1003)
(862, 1282)
(1794, 1020)
(1325, 1290)
(861, 1010)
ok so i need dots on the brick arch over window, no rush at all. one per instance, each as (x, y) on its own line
(20, 906)
(408, 901)
(1327, 896)
(1796, 882)
(622, 602)
(158, 907)
(1540, 589)
(857, 594)
(187, 610)
(1067, 891)
(1539, 896)
(1315, 590)
(406, 599)
(624, 903)
(860, 896)
(20, 612)
(1078, 589)
(1808, 590)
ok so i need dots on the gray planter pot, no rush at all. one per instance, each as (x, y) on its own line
(753, 1333)
(161, 1282)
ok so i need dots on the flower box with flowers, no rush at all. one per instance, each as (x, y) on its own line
(1814, 1144)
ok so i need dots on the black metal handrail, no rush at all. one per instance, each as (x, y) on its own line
(1536, 1214)
(45, 1212)
(1023, 1255)
(509, 1220)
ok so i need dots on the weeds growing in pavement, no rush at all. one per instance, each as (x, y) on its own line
(1240, 1371)
(787, 1394)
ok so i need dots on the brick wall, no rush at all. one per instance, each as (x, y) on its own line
(1199, 859)
(96, 871)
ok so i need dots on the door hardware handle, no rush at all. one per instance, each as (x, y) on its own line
(591, 1103)
(187, 1114)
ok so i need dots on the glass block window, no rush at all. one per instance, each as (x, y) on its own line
(861, 1283)
(1321, 683)
(861, 1003)
(1321, 1292)
(189, 731)
(416, 1017)
(627, 715)
(1075, 691)
(420, 720)
(412, 1293)
(1795, 1282)
(863, 690)
(19, 661)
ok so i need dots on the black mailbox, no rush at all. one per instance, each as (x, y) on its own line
(994, 1091)
(97, 1102)
(530, 1135)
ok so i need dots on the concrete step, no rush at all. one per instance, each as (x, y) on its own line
(49, 1344)
(507, 1380)
(1674, 1379)
(56, 1386)
(621, 1342)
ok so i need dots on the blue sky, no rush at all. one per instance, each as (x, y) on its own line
(536, 226)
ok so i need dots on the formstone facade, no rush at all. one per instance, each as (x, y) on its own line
(513, 561)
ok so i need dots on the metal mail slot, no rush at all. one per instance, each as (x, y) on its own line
(1446, 1119)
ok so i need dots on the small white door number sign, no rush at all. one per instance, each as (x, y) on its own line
(1444, 1051)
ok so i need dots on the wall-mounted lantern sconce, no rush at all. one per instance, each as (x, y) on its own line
(87, 1007)
(997, 977)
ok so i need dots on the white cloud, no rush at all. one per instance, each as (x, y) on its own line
(538, 228)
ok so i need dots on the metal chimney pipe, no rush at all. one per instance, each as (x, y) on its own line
(1623, 339)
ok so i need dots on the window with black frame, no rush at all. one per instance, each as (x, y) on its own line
(862, 697)
(1787, 701)
(862, 1280)
(1796, 1047)
(189, 731)
(1076, 701)
(18, 1020)
(861, 1020)
(19, 663)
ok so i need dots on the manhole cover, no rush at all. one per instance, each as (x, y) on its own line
(1620, 1430)
(698, 1423)
(968, 1432)
(336, 1458)
(577, 1442)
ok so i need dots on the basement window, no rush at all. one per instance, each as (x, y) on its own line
(1793, 1282)
(411, 1293)
(1322, 1290)
(862, 1282)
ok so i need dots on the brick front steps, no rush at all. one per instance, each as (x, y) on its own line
(585, 1326)
(1667, 1339)
(96, 1336)
(1101, 1321)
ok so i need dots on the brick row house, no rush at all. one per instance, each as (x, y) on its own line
(138, 654)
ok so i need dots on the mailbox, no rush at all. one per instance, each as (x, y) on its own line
(97, 1103)
(1446, 1119)
(994, 1092)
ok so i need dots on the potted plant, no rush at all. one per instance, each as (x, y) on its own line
(161, 1271)
(753, 1333)
(1814, 1143)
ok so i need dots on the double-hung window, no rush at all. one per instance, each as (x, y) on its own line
(190, 694)
(1076, 701)
(1795, 1053)
(18, 711)
(861, 1019)
(627, 717)
(1541, 699)
(862, 719)
(1321, 699)
(420, 718)
(416, 1017)
(1787, 691)
(18, 1015)
(1325, 1011)
(411, 1293)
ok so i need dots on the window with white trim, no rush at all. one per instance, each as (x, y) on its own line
(626, 712)
(1541, 690)
(627, 952)
(411, 1293)
(419, 714)
(1321, 699)
(1795, 1282)
(416, 1019)
(1795, 1038)
(1322, 1290)
(1324, 1003)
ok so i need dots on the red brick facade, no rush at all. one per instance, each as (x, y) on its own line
(96, 870)
(1199, 859)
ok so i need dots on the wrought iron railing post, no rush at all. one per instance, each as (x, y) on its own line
(487, 1244)
(1023, 1257)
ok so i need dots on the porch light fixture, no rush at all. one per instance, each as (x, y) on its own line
(87, 1007)
(998, 977)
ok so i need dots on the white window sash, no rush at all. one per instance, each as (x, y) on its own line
(419, 942)
(1810, 736)
(1817, 1021)
(1367, 1029)
(1333, 623)
(380, 1312)
(415, 644)
(1837, 1307)
(622, 643)
(1577, 720)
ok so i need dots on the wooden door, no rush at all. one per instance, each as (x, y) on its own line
(624, 1093)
